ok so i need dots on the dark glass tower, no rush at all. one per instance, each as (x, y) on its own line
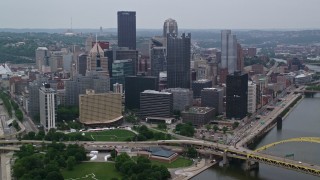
(127, 29)
(237, 95)
(178, 61)
(135, 85)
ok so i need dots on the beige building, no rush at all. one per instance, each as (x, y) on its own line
(96, 62)
(98, 109)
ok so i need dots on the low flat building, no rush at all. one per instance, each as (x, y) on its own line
(198, 115)
(159, 154)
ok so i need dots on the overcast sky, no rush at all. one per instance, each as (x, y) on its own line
(196, 14)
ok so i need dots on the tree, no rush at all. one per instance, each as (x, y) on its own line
(113, 154)
(192, 152)
(215, 128)
(162, 126)
(54, 175)
(71, 161)
(235, 125)
(224, 129)
(208, 127)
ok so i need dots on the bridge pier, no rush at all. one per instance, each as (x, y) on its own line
(225, 161)
(250, 165)
(279, 122)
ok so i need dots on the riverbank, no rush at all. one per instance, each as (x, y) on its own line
(188, 173)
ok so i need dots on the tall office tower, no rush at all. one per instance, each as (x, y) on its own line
(182, 98)
(170, 26)
(88, 44)
(56, 61)
(96, 62)
(212, 97)
(156, 104)
(42, 58)
(127, 29)
(100, 109)
(121, 69)
(158, 60)
(237, 95)
(48, 107)
(228, 51)
(122, 54)
(33, 107)
(252, 97)
(240, 58)
(178, 61)
(135, 85)
(82, 64)
(200, 84)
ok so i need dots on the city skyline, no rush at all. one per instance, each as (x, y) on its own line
(206, 14)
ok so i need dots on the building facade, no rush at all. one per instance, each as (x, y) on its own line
(182, 98)
(200, 84)
(252, 97)
(135, 85)
(48, 107)
(212, 97)
(156, 104)
(237, 95)
(170, 27)
(178, 61)
(100, 109)
(198, 116)
(228, 51)
(127, 29)
(121, 69)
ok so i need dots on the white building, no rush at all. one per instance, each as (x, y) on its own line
(118, 88)
(42, 61)
(252, 97)
(48, 104)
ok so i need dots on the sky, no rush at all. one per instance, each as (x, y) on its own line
(150, 14)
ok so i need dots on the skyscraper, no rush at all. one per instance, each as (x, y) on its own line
(237, 95)
(135, 85)
(170, 26)
(48, 107)
(228, 51)
(127, 29)
(82, 64)
(42, 58)
(178, 61)
(158, 60)
(156, 104)
(96, 62)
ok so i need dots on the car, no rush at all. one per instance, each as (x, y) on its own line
(300, 162)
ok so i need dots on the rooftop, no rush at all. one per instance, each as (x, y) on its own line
(198, 110)
(155, 92)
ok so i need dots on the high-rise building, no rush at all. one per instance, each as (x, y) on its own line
(228, 51)
(200, 84)
(100, 109)
(135, 85)
(96, 62)
(237, 95)
(252, 97)
(79, 84)
(121, 69)
(48, 107)
(178, 61)
(82, 64)
(42, 58)
(156, 104)
(212, 97)
(127, 29)
(56, 61)
(122, 54)
(170, 27)
(240, 58)
(158, 60)
(88, 44)
(182, 98)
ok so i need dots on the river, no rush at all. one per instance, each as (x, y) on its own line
(302, 121)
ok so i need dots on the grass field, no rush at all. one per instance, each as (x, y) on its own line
(91, 171)
(178, 163)
(110, 135)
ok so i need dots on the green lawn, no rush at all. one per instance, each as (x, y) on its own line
(178, 163)
(110, 135)
(91, 171)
